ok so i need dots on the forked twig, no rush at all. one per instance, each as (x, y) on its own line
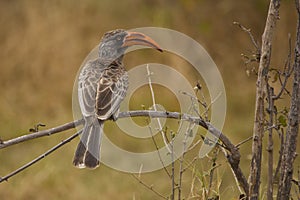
(248, 30)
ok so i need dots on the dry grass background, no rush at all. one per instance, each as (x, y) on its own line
(42, 46)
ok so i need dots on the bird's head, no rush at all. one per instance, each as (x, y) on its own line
(114, 43)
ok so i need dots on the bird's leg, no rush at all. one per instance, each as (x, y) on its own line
(115, 116)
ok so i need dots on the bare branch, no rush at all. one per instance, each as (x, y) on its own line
(255, 168)
(43, 133)
(281, 137)
(248, 30)
(287, 72)
(233, 157)
(159, 156)
(244, 141)
(5, 178)
(271, 112)
(181, 159)
(149, 187)
(289, 151)
(155, 109)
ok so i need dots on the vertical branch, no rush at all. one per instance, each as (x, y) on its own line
(173, 167)
(289, 151)
(171, 151)
(281, 145)
(255, 168)
(158, 153)
(155, 109)
(181, 168)
(212, 170)
(270, 91)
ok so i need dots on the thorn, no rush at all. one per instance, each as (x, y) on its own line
(36, 128)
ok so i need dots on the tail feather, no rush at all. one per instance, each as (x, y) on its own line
(88, 150)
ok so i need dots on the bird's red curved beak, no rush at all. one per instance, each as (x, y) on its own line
(136, 38)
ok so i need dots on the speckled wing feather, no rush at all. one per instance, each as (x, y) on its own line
(87, 87)
(111, 91)
(101, 89)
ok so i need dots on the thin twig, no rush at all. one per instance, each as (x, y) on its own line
(181, 171)
(159, 156)
(149, 187)
(173, 168)
(190, 164)
(155, 109)
(211, 171)
(244, 141)
(5, 178)
(193, 146)
(288, 70)
(43, 133)
(248, 30)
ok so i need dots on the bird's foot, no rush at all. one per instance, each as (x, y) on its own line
(114, 117)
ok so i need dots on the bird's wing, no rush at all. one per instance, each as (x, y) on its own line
(87, 87)
(111, 91)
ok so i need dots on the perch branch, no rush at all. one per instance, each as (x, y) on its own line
(233, 155)
(24, 138)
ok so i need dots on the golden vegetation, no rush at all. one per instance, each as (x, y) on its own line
(43, 44)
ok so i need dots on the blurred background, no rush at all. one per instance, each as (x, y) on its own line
(43, 44)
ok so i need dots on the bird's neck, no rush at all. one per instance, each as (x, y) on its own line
(111, 61)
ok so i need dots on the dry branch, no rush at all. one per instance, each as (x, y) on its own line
(58, 129)
(255, 168)
(289, 151)
(233, 155)
(69, 139)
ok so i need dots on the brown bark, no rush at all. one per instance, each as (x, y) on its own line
(255, 168)
(289, 151)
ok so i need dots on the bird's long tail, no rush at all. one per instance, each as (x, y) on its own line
(88, 150)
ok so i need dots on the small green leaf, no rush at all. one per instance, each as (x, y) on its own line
(282, 120)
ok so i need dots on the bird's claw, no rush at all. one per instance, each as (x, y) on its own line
(114, 117)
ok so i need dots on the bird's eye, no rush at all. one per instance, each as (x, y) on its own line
(119, 38)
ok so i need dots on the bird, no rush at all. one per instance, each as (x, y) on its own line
(102, 85)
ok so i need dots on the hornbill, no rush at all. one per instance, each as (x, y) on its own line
(102, 86)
